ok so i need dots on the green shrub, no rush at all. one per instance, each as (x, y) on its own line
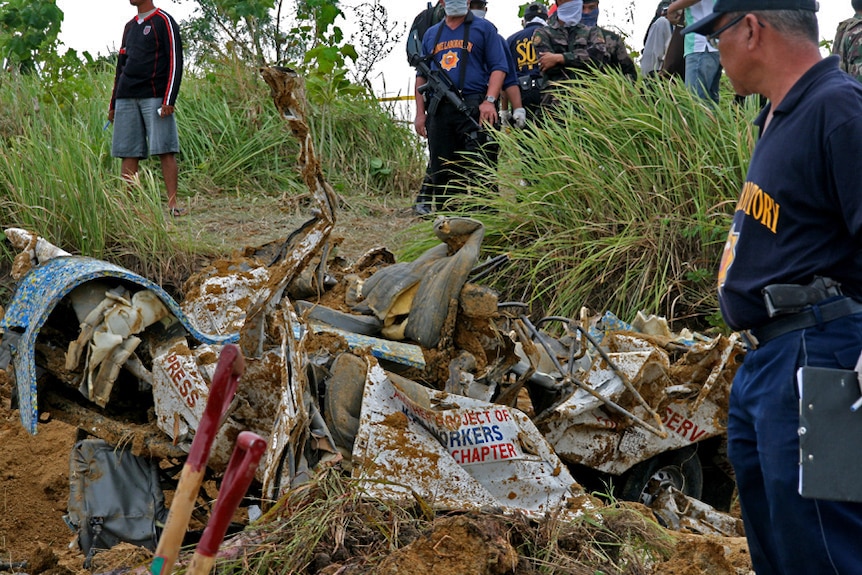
(622, 204)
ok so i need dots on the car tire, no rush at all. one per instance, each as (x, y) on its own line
(681, 468)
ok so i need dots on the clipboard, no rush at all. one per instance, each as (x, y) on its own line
(830, 434)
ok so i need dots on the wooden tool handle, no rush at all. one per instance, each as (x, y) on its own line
(228, 370)
(201, 564)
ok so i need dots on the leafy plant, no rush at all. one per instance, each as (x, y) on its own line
(374, 40)
(307, 39)
(379, 168)
(28, 28)
(243, 28)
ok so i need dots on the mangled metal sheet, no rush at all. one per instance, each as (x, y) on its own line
(300, 439)
(222, 294)
(288, 94)
(682, 513)
(395, 351)
(456, 452)
(690, 395)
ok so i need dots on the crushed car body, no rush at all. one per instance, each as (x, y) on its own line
(44, 286)
(411, 375)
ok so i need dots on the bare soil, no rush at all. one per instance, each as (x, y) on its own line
(35, 469)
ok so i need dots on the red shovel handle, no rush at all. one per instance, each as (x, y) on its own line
(237, 478)
(228, 371)
(230, 367)
(240, 471)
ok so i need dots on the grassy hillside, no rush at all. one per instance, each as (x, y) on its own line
(58, 178)
(621, 203)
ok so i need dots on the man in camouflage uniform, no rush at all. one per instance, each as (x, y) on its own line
(848, 42)
(567, 48)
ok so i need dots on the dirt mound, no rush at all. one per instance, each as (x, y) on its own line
(455, 546)
(35, 472)
(699, 555)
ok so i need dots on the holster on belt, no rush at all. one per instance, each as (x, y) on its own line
(781, 299)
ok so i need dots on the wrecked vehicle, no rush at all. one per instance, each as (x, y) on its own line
(650, 409)
(411, 375)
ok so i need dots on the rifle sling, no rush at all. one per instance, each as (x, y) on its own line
(464, 52)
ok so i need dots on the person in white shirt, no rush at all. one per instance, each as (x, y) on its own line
(702, 65)
(657, 40)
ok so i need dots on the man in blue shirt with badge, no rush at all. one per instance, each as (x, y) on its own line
(790, 278)
(469, 51)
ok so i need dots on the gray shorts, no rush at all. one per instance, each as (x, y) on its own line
(137, 123)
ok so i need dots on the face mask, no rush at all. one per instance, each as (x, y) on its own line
(591, 18)
(570, 12)
(479, 13)
(456, 8)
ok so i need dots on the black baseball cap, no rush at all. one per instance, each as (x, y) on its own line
(707, 25)
(535, 10)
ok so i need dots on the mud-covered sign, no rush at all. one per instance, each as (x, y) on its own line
(456, 452)
(470, 435)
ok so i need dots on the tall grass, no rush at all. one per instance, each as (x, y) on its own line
(621, 204)
(357, 134)
(233, 138)
(57, 176)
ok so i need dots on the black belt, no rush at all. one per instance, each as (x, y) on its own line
(815, 315)
(469, 99)
(530, 82)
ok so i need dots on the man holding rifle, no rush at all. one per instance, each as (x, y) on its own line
(462, 68)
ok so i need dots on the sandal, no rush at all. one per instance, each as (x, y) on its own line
(178, 212)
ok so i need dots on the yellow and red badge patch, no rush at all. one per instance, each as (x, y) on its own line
(449, 60)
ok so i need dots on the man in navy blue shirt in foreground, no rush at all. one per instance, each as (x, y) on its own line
(798, 226)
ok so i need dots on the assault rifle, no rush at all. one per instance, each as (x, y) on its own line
(437, 81)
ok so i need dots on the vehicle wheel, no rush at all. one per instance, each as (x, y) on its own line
(680, 468)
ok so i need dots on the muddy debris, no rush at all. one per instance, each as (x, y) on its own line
(460, 545)
(411, 377)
